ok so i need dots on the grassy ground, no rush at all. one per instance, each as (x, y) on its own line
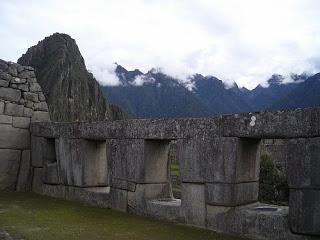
(36, 217)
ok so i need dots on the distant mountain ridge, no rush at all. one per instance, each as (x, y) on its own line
(157, 95)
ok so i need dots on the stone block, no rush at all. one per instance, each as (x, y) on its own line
(193, 207)
(27, 112)
(25, 175)
(4, 83)
(226, 194)
(37, 184)
(14, 138)
(164, 209)
(1, 107)
(126, 158)
(212, 159)
(9, 168)
(41, 97)
(304, 214)
(37, 151)
(17, 81)
(14, 110)
(35, 87)
(145, 192)
(82, 162)
(21, 122)
(12, 69)
(41, 106)
(23, 87)
(39, 116)
(304, 163)
(119, 199)
(10, 94)
(249, 222)
(26, 74)
(5, 76)
(31, 96)
(4, 119)
(50, 173)
(123, 184)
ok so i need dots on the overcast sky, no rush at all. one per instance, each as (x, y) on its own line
(245, 41)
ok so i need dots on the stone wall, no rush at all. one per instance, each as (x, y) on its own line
(124, 165)
(21, 102)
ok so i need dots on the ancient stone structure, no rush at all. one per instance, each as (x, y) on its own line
(21, 102)
(124, 165)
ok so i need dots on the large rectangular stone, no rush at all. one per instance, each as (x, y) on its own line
(4, 119)
(211, 159)
(10, 94)
(82, 163)
(14, 138)
(14, 110)
(25, 177)
(304, 214)
(37, 149)
(21, 122)
(226, 194)
(40, 116)
(304, 163)
(193, 206)
(37, 184)
(50, 173)
(1, 107)
(9, 168)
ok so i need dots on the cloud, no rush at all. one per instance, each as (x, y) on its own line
(244, 41)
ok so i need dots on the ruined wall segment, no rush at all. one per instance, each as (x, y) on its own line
(21, 102)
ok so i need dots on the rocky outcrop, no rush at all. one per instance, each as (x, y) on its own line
(21, 102)
(72, 92)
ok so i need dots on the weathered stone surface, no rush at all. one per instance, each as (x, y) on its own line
(14, 138)
(27, 112)
(304, 211)
(211, 159)
(17, 80)
(21, 122)
(193, 206)
(226, 194)
(4, 83)
(165, 209)
(35, 87)
(37, 144)
(82, 163)
(12, 69)
(50, 173)
(26, 74)
(24, 182)
(144, 192)
(23, 87)
(4, 119)
(14, 110)
(37, 184)
(1, 107)
(41, 97)
(250, 222)
(119, 199)
(41, 106)
(40, 116)
(55, 191)
(31, 96)
(280, 124)
(10, 94)
(5, 76)
(304, 163)
(9, 168)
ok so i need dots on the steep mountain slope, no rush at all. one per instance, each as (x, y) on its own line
(262, 98)
(71, 91)
(217, 98)
(307, 94)
(153, 95)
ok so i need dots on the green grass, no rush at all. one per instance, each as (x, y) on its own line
(36, 217)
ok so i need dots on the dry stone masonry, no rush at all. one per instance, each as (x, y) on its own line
(124, 165)
(21, 102)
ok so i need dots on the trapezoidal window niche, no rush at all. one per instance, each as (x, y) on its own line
(82, 162)
(157, 169)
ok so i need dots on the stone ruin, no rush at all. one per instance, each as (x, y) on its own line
(124, 165)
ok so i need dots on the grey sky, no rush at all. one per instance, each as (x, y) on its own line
(243, 41)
